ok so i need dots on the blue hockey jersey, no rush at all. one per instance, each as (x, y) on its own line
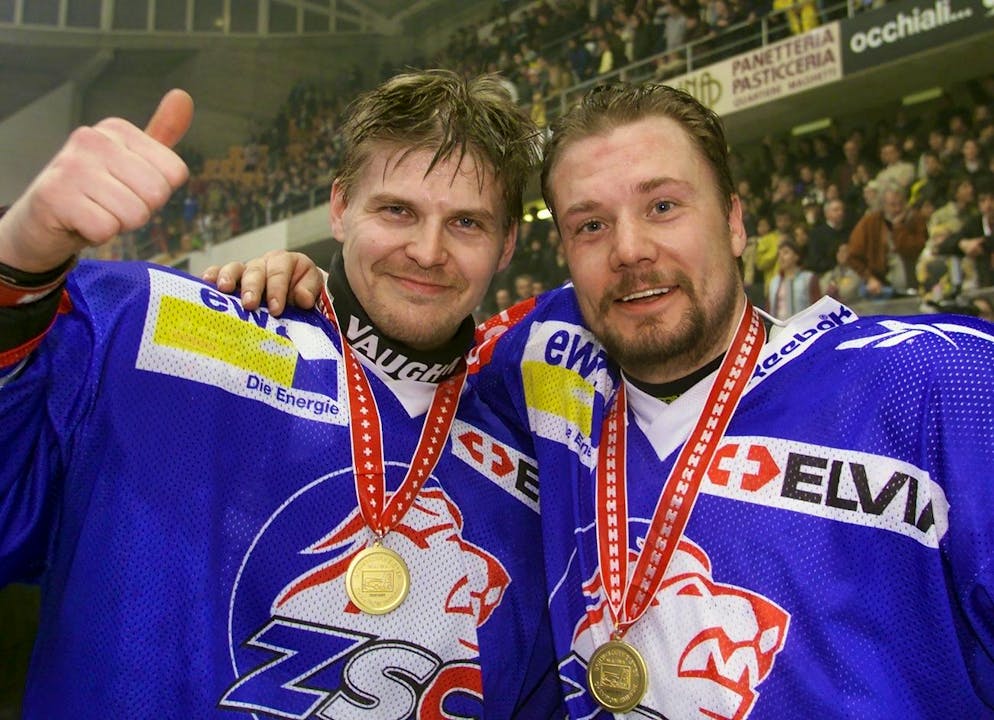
(177, 475)
(839, 561)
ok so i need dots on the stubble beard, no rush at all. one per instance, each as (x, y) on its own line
(655, 351)
(420, 325)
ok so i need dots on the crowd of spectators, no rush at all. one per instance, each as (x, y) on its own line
(905, 208)
(902, 207)
(858, 212)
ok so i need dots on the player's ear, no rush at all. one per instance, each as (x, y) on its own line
(339, 203)
(508, 243)
(736, 227)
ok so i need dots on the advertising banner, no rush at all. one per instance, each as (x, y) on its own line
(768, 73)
(901, 29)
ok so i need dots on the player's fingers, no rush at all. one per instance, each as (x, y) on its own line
(98, 221)
(210, 275)
(147, 177)
(306, 282)
(229, 276)
(105, 206)
(254, 284)
(172, 118)
(279, 270)
(166, 163)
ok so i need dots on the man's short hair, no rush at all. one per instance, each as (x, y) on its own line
(440, 111)
(607, 107)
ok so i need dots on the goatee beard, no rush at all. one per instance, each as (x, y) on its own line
(655, 352)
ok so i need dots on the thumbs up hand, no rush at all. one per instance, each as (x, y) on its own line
(107, 179)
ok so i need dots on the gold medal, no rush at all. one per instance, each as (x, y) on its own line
(617, 676)
(377, 580)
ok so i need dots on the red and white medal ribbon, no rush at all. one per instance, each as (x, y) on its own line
(629, 599)
(366, 431)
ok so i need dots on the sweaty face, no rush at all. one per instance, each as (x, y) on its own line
(650, 249)
(420, 251)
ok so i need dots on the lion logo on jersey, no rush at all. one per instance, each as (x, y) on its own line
(708, 645)
(300, 646)
(454, 578)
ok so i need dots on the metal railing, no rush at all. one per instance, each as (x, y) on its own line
(699, 53)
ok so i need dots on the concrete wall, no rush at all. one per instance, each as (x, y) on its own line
(295, 233)
(29, 137)
(237, 84)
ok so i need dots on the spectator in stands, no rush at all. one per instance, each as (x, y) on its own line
(811, 212)
(841, 281)
(824, 155)
(870, 192)
(560, 78)
(580, 61)
(523, 286)
(605, 56)
(802, 15)
(675, 28)
(818, 190)
(502, 299)
(793, 287)
(718, 15)
(767, 245)
(752, 276)
(933, 184)
(556, 272)
(975, 238)
(250, 155)
(952, 151)
(845, 171)
(939, 273)
(960, 208)
(885, 244)
(935, 141)
(783, 191)
(800, 234)
(537, 110)
(904, 124)
(826, 237)
(752, 204)
(805, 178)
(959, 127)
(696, 30)
(972, 162)
(985, 136)
(896, 170)
(191, 206)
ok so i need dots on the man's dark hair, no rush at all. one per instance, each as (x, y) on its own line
(607, 107)
(440, 111)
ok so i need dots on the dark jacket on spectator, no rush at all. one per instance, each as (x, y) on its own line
(973, 228)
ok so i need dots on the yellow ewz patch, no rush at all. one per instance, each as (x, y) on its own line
(191, 327)
(558, 391)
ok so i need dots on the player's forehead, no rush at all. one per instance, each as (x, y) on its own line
(414, 169)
